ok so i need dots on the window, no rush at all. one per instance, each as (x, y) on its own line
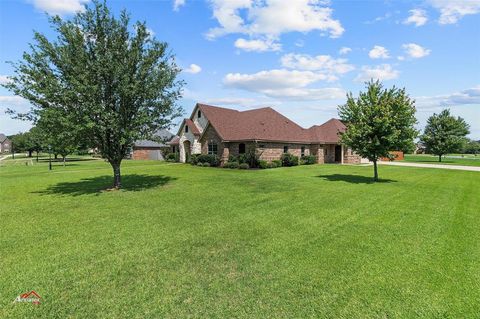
(303, 150)
(212, 148)
(186, 128)
(241, 148)
(199, 114)
(285, 149)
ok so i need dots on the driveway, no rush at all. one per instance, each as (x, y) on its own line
(457, 167)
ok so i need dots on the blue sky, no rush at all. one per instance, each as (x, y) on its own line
(299, 57)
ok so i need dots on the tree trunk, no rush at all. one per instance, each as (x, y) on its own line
(439, 158)
(30, 153)
(37, 156)
(56, 156)
(64, 160)
(375, 171)
(117, 179)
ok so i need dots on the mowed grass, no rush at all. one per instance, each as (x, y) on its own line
(454, 159)
(181, 241)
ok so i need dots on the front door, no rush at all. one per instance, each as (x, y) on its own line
(338, 153)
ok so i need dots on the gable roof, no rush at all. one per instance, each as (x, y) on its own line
(266, 124)
(328, 132)
(3, 137)
(159, 139)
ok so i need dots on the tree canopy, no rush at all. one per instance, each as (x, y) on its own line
(378, 121)
(445, 133)
(112, 80)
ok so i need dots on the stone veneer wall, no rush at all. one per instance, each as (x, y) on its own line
(209, 136)
(350, 157)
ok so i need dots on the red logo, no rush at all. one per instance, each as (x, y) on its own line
(31, 296)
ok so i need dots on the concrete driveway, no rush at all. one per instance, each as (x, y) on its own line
(457, 167)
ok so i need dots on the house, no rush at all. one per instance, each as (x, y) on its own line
(153, 149)
(225, 132)
(5, 144)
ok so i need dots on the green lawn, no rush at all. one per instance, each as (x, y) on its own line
(181, 241)
(452, 159)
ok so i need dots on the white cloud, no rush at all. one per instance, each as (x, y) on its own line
(380, 72)
(453, 10)
(378, 52)
(300, 43)
(344, 50)
(464, 97)
(283, 84)
(257, 45)
(323, 64)
(60, 6)
(4, 79)
(231, 101)
(193, 68)
(272, 17)
(177, 4)
(417, 17)
(378, 19)
(415, 51)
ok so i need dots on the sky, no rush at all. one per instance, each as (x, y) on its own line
(300, 57)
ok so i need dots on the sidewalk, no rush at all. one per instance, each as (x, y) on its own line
(457, 167)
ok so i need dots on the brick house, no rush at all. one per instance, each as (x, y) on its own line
(224, 132)
(5, 144)
(154, 149)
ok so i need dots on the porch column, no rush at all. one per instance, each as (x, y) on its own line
(341, 161)
(225, 154)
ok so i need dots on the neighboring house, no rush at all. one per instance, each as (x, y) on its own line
(5, 144)
(224, 132)
(154, 149)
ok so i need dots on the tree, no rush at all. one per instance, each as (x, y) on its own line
(378, 121)
(472, 147)
(118, 83)
(444, 134)
(19, 141)
(61, 133)
(35, 140)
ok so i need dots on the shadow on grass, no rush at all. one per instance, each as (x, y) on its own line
(97, 185)
(354, 179)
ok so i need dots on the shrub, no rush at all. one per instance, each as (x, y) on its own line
(252, 158)
(289, 159)
(206, 164)
(194, 159)
(231, 165)
(211, 159)
(272, 165)
(171, 157)
(232, 158)
(242, 158)
(199, 164)
(262, 164)
(243, 166)
(278, 163)
(309, 159)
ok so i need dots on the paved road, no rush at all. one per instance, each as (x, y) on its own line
(4, 157)
(457, 167)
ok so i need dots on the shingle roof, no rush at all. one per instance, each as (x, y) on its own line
(175, 140)
(328, 132)
(160, 139)
(192, 126)
(266, 124)
(2, 137)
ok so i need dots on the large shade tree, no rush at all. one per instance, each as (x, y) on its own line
(116, 82)
(378, 121)
(445, 133)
